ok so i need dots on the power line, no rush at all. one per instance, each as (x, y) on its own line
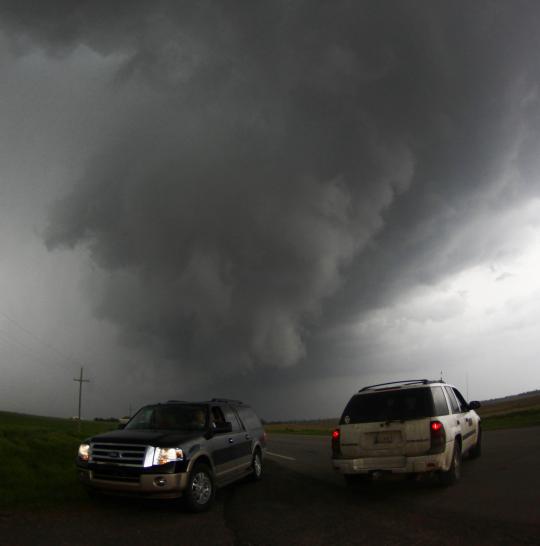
(15, 342)
(37, 338)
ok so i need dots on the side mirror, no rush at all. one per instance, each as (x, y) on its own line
(222, 428)
(474, 405)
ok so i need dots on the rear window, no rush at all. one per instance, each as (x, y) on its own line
(248, 417)
(389, 406)
(439, 401)
(453, 401)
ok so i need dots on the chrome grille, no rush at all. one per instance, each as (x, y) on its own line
(118, 454)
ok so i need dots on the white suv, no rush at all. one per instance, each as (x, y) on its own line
(414, 426)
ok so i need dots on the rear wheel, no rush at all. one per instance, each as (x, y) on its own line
(476, 451)
(199, 493)
(453, 474)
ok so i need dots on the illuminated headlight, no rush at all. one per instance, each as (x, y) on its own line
(84, 452)
(164, 455)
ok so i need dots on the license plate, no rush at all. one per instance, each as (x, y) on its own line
(384, 438)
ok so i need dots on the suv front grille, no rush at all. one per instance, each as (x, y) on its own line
(119, 454)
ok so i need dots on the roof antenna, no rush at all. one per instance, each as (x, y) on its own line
(442, 380)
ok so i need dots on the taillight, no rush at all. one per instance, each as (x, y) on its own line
(437, 436)
(336, 451)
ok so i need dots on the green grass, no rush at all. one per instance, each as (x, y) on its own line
(37, 459)
(526, 418)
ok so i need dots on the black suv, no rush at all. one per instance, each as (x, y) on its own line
(176, 449)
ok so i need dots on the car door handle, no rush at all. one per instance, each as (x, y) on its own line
(231, 440)
(248, 437)
(457, 422)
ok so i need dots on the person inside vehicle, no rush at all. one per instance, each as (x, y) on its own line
(216, 417)
(199, 419)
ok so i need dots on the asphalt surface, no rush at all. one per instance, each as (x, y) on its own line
(504, 483)
(301, 501)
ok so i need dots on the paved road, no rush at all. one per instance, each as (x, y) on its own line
(302, 502)
(504, 483)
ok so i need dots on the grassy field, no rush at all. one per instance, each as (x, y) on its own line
(513, 404)
(37, 456)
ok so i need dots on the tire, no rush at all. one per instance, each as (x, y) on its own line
(476, 450)
(453, 474)
(200, 490)
(257, 466)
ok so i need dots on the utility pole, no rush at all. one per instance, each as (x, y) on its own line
(80, 380)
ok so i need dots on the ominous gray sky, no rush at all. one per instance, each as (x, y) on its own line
(277, 201)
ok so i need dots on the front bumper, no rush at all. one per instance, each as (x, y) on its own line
(150, 485)
(394, 465)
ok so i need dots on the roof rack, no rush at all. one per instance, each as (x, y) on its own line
(404, 382)
(226, 400)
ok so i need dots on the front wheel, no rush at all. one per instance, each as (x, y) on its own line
(199, 493)
(452, 475)
(257, 466)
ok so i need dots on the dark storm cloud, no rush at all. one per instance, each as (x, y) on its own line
(287, 157)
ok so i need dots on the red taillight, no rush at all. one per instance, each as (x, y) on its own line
(438, 437)
(336, 449)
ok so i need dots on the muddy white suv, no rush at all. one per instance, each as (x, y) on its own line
(414, 426)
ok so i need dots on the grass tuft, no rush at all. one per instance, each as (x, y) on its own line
(37, 459)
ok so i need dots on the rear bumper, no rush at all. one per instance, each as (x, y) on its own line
(150, 485)
(394, 465)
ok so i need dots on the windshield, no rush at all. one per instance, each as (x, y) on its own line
(170, 417)
(389, 406)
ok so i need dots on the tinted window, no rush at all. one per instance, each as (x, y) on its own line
(453, 402)
(216, 416)
(170, 417)
(230, 416)
(389, 405)
(251, 421)
(440, 406)
(461, 400)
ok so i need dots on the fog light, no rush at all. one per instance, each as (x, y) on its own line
(160, 481)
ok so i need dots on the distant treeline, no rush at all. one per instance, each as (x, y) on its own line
(107, 419)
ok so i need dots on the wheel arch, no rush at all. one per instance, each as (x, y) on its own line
(203, 458)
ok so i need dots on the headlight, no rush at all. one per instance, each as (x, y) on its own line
(84, 452)
(164, 455)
